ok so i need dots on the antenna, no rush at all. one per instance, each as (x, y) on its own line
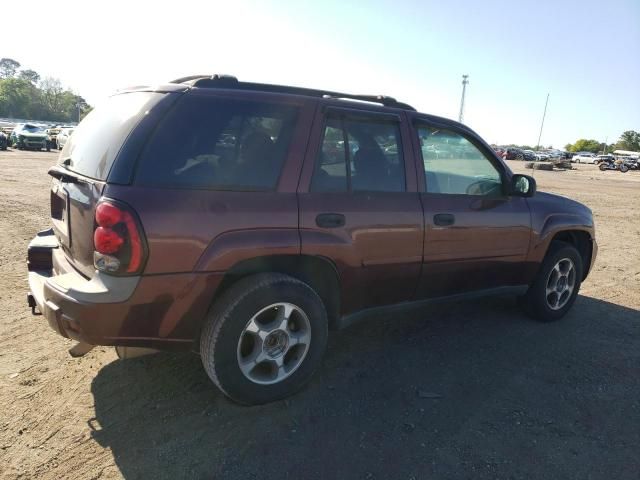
(465, 82)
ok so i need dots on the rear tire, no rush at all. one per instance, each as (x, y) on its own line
(624, 168)
(602, 166)
(264, 338)
(555, 288)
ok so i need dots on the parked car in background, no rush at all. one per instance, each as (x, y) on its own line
(207, 215)
(63, 136)
(529, 155)
(541, 156)
(512, 153)
(52, 132)
(558, 154)
(27, 136)
(4, 141)
(584, 157)
(7, 130)
(555, 154)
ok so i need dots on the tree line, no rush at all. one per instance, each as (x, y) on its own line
(629, 140)
(24, 94)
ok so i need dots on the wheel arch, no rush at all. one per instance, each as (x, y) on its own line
(581, 240)
(318, 272)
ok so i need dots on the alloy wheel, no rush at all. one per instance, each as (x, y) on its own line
(274, 343)
(560, 284)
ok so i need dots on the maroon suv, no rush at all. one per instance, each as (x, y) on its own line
(244, 220)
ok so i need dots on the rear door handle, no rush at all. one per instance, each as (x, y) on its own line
(444, 219)
(330, 220)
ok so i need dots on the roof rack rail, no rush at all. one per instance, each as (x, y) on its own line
(195, 78)
(228, 81)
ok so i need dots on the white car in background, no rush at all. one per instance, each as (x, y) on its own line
(584, 157)
(63, 136)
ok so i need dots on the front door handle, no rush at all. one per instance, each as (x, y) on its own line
(330, 220)
(444, 219)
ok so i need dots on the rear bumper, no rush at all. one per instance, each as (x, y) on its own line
(160, 311)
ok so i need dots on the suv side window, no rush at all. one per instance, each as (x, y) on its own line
(215, 143)
(359, 155)
(453, 165)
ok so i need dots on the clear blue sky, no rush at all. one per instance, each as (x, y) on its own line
(586, 54)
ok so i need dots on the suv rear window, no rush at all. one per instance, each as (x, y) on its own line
(219, 144)
(92, 148)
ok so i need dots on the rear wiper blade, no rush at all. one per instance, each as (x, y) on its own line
(65, 175)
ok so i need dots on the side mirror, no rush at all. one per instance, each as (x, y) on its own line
(522, 186)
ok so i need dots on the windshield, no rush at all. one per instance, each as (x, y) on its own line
(96, 141)
(33, 128)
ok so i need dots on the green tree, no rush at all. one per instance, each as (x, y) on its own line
(26, 96)
(52, 94)
(19, 99)
(8, 67)
(30, 75)
(629, 140)
(584, 145)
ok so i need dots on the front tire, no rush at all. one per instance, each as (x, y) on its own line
(264, 338)
(555, 288)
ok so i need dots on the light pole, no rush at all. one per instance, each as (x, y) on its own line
(542, 124)
(78, 105)
(465, 82)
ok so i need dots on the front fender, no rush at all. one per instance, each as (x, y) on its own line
(554, 224)
(550, 216)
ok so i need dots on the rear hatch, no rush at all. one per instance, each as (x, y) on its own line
(83, 169)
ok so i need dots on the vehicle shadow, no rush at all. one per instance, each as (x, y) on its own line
(473, 390)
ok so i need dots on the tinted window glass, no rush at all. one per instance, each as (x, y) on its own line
(97, 140)
(359, 155)
(331, 167)
(454, 165)
(218, 143)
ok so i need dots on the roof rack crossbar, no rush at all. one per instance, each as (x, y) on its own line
(227, 81)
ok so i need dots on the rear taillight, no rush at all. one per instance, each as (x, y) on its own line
(117, 239)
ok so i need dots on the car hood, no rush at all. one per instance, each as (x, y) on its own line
(561, 204)
(33, 135)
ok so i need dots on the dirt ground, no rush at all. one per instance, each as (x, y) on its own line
(471, 390)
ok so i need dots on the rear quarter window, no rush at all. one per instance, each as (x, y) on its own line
(218, 144)
(96, 141)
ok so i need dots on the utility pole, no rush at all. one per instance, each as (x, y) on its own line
(465, 82)
(604, 150)
(542, 124)
(78, 105)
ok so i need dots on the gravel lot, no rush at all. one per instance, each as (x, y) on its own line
(470, 390)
